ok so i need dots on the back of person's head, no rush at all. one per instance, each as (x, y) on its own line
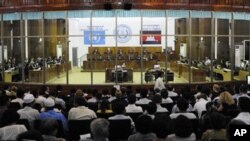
(204, 96)
(182, 126)
(9, 117)
(79, 92)
(164, 93)
(99, 128)
(151, 108)
(80, 101)
(217, 121)
(170, 88)
(143, 124)
(131, 99)
(20, 92)
(144, 93)
(209, 107)
(157, 99)
(206, 90)
(31, 135)
(49, 127)
(244, 104)
(160, 126)
(118, 107)
(182, 104)
(157, 90)
(243, 88)
(226, 97)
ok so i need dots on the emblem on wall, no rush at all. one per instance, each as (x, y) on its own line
(123, 33)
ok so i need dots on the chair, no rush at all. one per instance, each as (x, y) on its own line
(168, 106)
(134, 116)
(93, 106)
(104, 115)
(78, 127)
(119, 129)
(24, 122)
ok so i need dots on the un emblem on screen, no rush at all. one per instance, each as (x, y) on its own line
(123, 33)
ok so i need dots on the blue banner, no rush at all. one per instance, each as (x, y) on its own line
(98, 37)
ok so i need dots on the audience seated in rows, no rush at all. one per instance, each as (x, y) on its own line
(143, 99)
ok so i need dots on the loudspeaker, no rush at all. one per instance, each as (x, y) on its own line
(108, 6)
(127, 6)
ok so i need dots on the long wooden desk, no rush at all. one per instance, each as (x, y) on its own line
(125, 75)
(55, 70)
(102, 65)
(226, 73)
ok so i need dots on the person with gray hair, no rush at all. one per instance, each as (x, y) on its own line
(100, 130)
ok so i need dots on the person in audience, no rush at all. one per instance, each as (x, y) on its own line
(144, 132)
(31, 135)
(215, 91)
(28, 112)
(10, 129)
(200, 105)
(94, 94)
(151, 109)
(143, 99)
(12, 93)
(41, 97)
(182, 105)
(132, 108)
(157, 99)
(49, 112)
(160, 127)
(236, 93)
(159, 81)
(226, 102)
(113, 97)
(244, 115)
(182, 130)
(19, 96)
(243, 91)
(205, 118)
(100, 129)
(198, 90)
(165, 98)
(218, 131)
(171, 92)
(81, 111)
(3, 104)
(118, 108)
(49, 128)
(119, 98)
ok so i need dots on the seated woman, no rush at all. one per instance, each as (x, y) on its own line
(226, 102)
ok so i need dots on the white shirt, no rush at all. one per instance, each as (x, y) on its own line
(143, 101)
(19, 100)
(244, 116)
(188, 115)
(11, 132)
(200, 106)
(132, 108)
(80, 113)
(40, 100)
(160, 109)
(166, 100)
(159, 84)
(172, 94)
(28, 113)
(61, 102)
(207, 62)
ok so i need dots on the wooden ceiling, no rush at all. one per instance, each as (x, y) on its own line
(7, 6)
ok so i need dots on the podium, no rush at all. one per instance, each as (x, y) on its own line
(119, 76)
